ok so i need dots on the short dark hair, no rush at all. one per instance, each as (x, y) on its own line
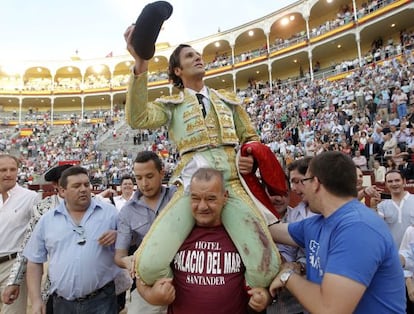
(336, 172)
(206, 174)
(147, 155)
(301, 165)
(394, 171)
(72, 171)
(174, 62)
(127, 177)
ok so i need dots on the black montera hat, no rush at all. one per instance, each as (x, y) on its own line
(148, 26)
(53, 174)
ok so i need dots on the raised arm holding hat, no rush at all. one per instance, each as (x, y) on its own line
(148, 26)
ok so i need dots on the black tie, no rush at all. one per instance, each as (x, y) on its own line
(200, 98)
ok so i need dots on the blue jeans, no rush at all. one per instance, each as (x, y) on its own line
(102, 303)
(402, 110)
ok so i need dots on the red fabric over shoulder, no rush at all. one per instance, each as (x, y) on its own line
(271, 173)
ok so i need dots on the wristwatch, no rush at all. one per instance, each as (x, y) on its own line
(285, 276)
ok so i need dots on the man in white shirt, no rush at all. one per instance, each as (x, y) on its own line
(127, 190)
(16, 204)
(398, 212)
(18, 270)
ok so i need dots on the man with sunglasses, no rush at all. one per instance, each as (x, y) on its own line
(76, 239)
(352, 263)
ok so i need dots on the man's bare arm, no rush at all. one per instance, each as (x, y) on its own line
(122, 259)
(34, 278)
(280, 234)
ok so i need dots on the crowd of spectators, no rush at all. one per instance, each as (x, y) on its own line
(371, 106)
(40, 146)
(305, 118)
(344, 15)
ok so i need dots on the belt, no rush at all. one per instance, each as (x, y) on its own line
(90, 295)
(207, 147)
(7, 258)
